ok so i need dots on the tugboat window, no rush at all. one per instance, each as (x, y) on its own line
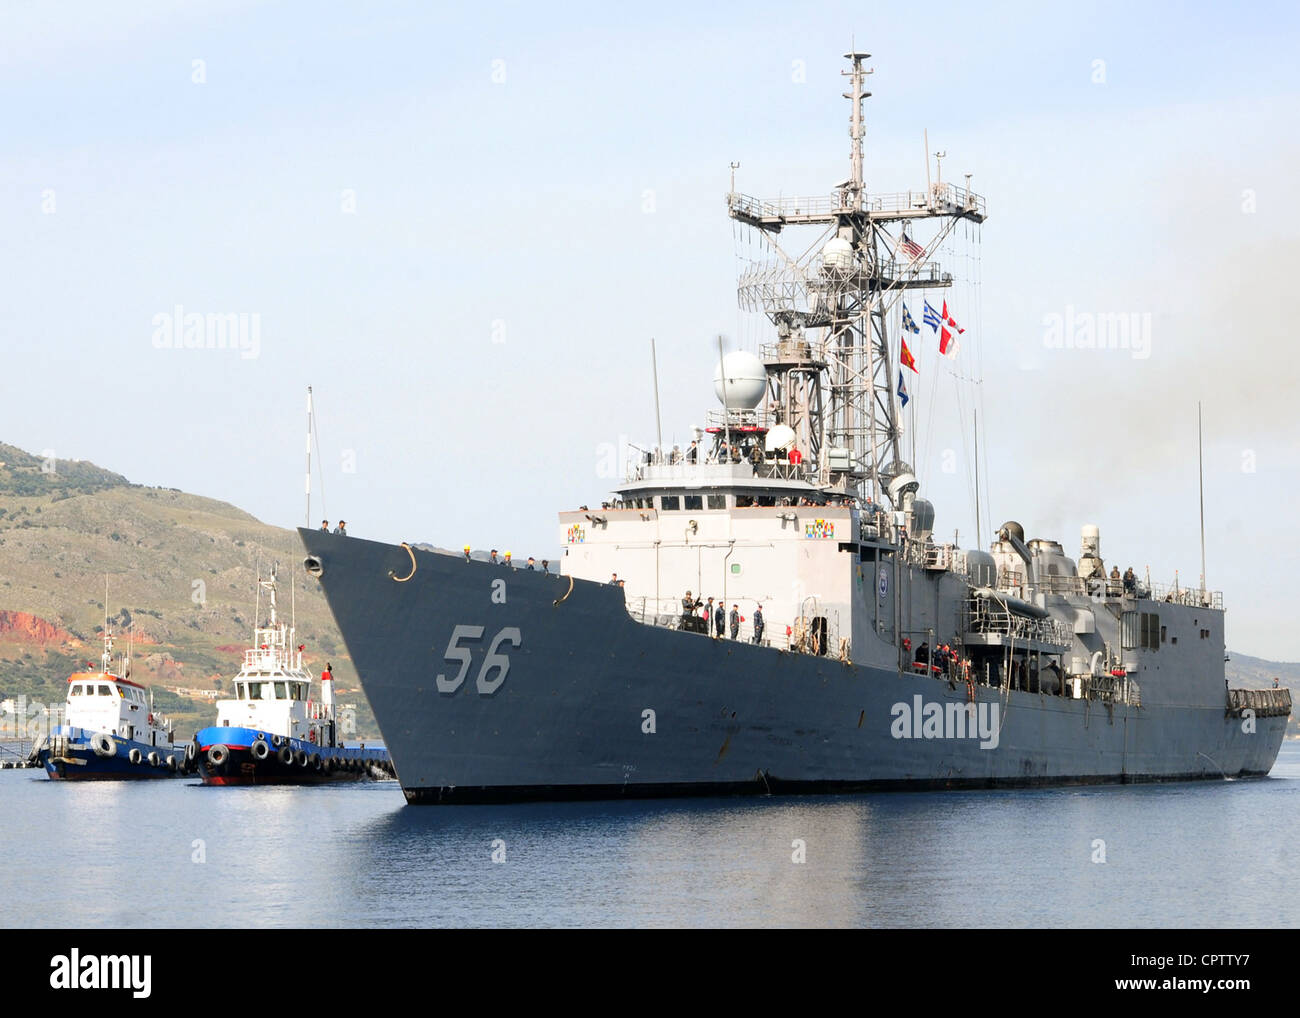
(255, 690)
(105, 691)
(717, 501)
(281, 691)
(694, 502)
(668, 502)
(76, 690)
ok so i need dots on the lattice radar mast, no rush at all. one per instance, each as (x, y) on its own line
(831, 371)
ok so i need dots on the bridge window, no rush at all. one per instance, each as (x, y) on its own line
(105, 691)
(669, 502)
(281, 691)
(693, 502)
(744, 501)
(255, 690)
(717, 501)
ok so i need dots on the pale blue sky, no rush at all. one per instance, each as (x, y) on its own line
(521, 202)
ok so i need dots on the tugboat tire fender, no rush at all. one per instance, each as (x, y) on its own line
(103, 745)
(259, 750)
(285, 755)
(218, 754)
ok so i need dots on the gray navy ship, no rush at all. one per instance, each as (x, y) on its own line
(885, 658)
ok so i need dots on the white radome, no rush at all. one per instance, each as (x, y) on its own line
(746, 380)
(781, 438)
(838, 254)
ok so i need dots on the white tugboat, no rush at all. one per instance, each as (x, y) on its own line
(111, 731)
(272, 732)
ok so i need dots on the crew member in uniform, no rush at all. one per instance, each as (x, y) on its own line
(735, 621)
(720, 620)
(758, 624)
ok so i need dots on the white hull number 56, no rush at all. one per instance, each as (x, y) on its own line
(495, 665)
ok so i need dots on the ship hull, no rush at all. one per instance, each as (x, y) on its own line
(73, 758)
(593, 704)
(308, 764)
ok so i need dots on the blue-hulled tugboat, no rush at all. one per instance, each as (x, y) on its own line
(273, 732)
(110, 730)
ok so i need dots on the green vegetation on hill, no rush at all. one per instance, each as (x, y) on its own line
(24, 474)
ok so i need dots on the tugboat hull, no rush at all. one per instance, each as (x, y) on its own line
(245, 756)
(74, 754)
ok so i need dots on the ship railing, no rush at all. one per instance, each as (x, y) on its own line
(750, 207)
(1012, 580)
(1113, 689)
(761, 419)
(984, 615)
(945, 198)
(791, 350)
(265, 659)
(1193, 597)
(1062, 585)
(941, 557)
(1265, 703)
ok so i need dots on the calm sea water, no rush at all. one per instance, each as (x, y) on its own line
(173, 853)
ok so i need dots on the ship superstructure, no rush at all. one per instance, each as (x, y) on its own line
(886, 657)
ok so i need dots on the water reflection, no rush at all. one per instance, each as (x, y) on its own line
(1214, 854)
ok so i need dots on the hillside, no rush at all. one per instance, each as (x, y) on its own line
(181, 572)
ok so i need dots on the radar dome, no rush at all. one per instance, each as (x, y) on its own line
(780, 438)
(838, 254)
(746, 380)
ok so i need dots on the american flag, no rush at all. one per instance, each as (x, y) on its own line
(911, 248)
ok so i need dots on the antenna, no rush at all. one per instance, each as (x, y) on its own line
(308, 486)
(976, 426)
(1200, 457)
(659, 424)
(726, 405)
(734, 168)
(938, 164)
(929, 187)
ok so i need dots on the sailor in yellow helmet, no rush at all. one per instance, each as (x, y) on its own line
(467, 553)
